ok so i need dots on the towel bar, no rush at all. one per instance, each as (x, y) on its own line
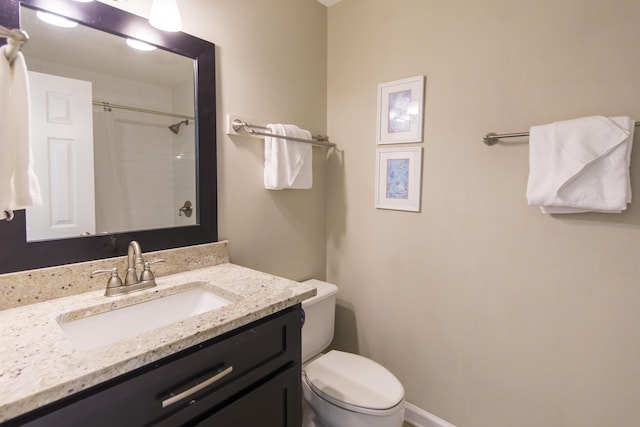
(15, 40)
(239, 126)
(9, 214)
(492, 138)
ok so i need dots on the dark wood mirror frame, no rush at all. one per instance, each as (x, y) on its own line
(16, 254)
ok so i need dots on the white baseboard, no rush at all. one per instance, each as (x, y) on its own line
(420, 418)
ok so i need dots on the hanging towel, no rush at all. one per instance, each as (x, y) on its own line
(19, 186)
(581, 165)
(287, 164)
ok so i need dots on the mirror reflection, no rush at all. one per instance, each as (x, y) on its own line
(113, 133)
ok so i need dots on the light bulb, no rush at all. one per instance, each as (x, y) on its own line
(137, 44)
(165, 15)
(56, 20)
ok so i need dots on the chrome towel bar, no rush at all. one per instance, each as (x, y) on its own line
(242, 126)
(493, 138)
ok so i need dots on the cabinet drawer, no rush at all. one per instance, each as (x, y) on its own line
(185, 384)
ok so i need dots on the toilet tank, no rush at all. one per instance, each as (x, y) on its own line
(317, 332)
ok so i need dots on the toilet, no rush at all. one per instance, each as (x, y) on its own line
(342, 389)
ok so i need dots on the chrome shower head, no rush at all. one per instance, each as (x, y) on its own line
(175, 128)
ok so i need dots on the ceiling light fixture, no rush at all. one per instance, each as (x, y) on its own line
(165, 15)
(56, 20)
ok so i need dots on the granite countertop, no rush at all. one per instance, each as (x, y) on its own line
(39, 365)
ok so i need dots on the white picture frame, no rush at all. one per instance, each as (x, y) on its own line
(399, 178)
(400, 111)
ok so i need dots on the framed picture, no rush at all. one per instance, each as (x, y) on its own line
(398, 178)
(400, 105)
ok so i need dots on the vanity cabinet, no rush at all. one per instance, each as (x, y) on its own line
(245, 378)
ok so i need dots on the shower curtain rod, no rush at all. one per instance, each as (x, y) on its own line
(492, 138)
(15, 40)
(108, 106)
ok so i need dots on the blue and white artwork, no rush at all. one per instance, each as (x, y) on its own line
(398, 178)
(399, 113)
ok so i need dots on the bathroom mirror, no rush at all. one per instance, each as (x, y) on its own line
(113, 145)
(177, 51)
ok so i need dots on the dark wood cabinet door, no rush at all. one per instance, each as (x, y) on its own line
(275, 403)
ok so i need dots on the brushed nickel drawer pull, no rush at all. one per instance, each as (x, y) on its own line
(196, 388)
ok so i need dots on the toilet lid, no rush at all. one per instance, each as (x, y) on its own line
(347, 379)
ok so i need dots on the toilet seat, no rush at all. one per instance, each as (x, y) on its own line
(354, 383)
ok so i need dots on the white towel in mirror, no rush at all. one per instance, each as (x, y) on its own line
(19, 186)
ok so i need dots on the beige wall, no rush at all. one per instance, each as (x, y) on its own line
(490, 313)
(271, 66)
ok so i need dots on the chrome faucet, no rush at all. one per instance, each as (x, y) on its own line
(132, 282)
(134, 258)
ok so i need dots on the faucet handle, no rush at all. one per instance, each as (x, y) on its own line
(147, 274)
(113, 271)
(113, 282)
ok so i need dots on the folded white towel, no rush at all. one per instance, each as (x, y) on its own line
(287, 164)
(19, 186)
(581, 165)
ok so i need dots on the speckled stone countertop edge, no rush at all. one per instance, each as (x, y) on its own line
(38, 364)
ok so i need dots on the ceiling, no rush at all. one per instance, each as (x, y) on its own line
(329, 2)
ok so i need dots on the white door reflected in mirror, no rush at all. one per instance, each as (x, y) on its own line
(62, 143)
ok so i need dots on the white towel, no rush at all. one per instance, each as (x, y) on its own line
(19, 186)
(581, 165)
(287, 164)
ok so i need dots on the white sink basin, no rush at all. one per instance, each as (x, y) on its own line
(106, 328)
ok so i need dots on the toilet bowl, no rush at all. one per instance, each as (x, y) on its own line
(342, 389)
